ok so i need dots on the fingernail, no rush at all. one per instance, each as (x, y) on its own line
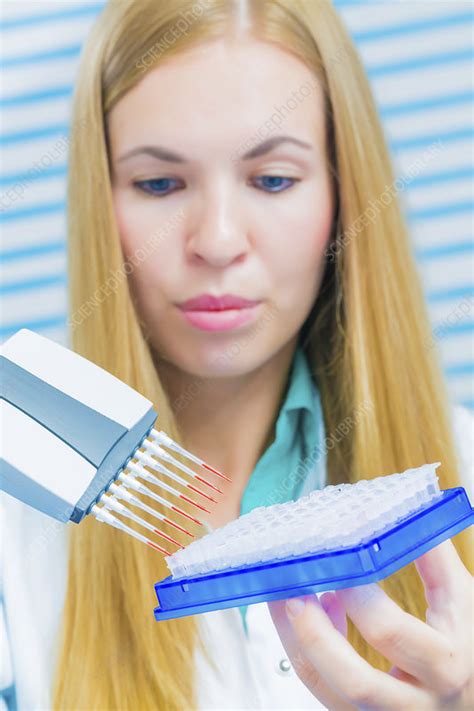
(326, 601)
(294, 606)
(363, 594)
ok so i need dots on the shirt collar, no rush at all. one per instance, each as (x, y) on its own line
(298, 430)
(302, 393)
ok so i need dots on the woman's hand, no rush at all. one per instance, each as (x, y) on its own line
(433, 660)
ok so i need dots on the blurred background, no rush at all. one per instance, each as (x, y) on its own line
(418, 55)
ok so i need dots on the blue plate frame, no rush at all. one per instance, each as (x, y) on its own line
(347, 567)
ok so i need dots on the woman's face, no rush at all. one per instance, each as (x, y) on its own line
(198, 216)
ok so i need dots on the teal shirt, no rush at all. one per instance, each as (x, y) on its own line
(277, 476)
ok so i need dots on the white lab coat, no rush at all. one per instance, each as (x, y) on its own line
(249, 675)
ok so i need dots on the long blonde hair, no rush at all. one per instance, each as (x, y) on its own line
(367, 338)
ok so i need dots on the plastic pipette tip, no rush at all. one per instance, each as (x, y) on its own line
(168, 538)
(183, 513)
(211, 469)
(204, 481)
(156, 547)
(190, 501)
(198, 491)
(180, 528)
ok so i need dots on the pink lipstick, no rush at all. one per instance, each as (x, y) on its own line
(218, 313)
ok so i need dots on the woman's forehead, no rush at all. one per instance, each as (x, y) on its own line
(224, 95)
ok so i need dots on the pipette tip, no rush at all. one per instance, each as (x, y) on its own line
(208, 483)
(198, 491)
(158, 548)
(176, 525)
(168, 538)
(183, 513)
(190, 501)
(211, 469)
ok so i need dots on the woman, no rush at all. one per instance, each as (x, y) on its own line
(229, 148)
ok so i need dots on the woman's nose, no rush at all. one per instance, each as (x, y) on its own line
(219, 238)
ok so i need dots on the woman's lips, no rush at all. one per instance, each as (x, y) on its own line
(222, 320)
(209, 302)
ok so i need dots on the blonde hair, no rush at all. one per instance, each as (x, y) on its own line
(367, 338)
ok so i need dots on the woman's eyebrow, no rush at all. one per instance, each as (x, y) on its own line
(271, 143)
(165, 154)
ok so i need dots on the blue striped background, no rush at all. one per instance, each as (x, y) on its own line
(418, 57)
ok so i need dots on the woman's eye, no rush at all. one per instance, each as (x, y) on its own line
(275, 183)
(159, 187)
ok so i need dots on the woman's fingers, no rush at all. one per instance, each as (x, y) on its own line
(302, 666)
(440, 566)
(449, 591)
(343, 670)
(334, 609)
(406, 641)
(444, 575)
(432, 660)
(412, 645)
